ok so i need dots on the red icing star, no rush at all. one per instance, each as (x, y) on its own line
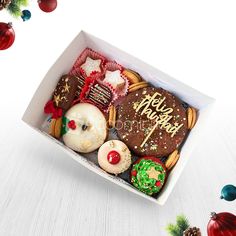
(158, 183)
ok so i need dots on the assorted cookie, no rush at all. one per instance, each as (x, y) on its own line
(136, 129)
(84, 128)
(114, 157)
(154, 122)
(65, 92)
(132, 76)
(148, 175)
(97, 93)
(55, 127)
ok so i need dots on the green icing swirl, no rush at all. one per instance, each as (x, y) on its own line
(142, 181)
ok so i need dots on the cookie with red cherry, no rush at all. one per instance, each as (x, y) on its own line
(114, 157)
(148, 174)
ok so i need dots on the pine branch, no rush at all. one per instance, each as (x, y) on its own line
(14, 9)
(21, 2)
(182, 223)
(173, 230)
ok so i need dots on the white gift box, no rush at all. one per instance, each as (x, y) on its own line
(35, 117)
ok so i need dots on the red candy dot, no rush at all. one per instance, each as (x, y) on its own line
(158, 183)
(113, 157)
(71, 124)
(134, 172)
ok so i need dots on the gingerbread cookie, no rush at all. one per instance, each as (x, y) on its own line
(114, 157)
(152, 122)
(65, 91)
(148, 175)
(84, 128)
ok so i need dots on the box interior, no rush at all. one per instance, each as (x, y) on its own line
(35, 117)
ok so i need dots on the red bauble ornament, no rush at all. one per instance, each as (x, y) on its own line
(7, 35)
(222, 224)
(47, 5)
(113, 157)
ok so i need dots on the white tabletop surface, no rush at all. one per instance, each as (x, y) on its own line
(45, 192)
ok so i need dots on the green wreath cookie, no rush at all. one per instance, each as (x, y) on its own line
(148, 175)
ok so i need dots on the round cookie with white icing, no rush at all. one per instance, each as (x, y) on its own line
(84, 128)
(114, 157)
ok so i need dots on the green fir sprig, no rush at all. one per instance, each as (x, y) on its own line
(14, 7)
(178, 229)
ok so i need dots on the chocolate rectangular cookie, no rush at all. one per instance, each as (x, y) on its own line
(65, 91)
(81, 83)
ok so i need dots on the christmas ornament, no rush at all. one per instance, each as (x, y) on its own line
(4, 4)
(26, 15)
(7, 35)
(47, 5)
(222, 224)
(194, 231)
(228, 192)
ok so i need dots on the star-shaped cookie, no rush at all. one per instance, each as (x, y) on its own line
(115, 79)
(91, 65)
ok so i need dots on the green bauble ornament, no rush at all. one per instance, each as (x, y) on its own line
(228, 192)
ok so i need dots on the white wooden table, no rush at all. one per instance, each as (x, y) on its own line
(44, 192)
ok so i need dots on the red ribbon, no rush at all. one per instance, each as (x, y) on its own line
(49, 108)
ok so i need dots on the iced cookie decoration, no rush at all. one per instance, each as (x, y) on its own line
(148, 175)
(98, 94)
(89, 63)
(154, 122)
(81, 83)
(65, 91)
(62, 97)
(114, 157)
(114, 77)
(91, 66)
(84, 128)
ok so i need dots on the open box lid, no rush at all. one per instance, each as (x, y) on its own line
(34, 115)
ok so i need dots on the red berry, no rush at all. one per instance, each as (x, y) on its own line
(113, 157)
(71, 124)
(134, 172)
(158, 183)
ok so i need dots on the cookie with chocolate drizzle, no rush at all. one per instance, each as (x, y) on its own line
(152, 122)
